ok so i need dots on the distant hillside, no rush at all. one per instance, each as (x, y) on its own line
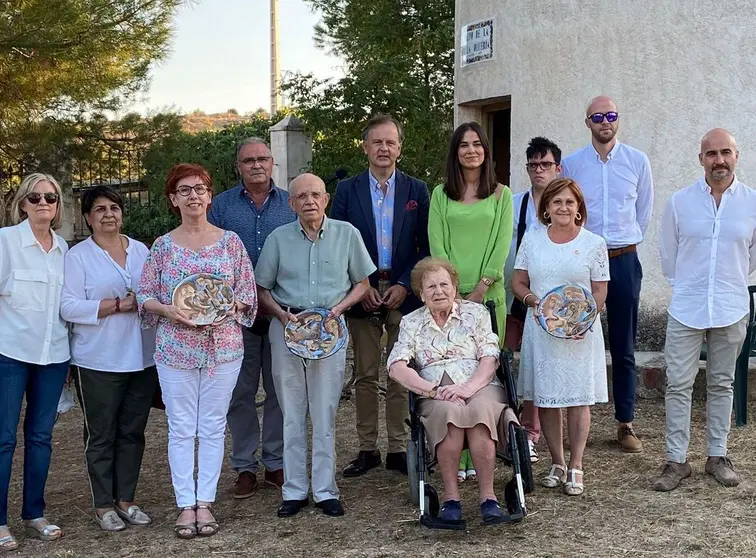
(198, 121)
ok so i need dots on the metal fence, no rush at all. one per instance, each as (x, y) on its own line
(11, 175)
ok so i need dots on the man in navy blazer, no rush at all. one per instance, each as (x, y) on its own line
(390, 209)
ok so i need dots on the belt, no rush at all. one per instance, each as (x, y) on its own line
(614, 252)
(384, 275)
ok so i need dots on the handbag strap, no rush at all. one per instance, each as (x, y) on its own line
(521, 224)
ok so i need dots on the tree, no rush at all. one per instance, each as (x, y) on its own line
(399, 59)
(66, 58)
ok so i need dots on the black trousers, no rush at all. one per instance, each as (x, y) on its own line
(116, 407)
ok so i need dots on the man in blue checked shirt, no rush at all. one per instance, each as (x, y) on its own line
(619, 194)
(253, 209)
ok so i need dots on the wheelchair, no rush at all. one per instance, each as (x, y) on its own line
(517, 455)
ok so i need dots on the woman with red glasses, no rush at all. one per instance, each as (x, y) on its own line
(34, 350)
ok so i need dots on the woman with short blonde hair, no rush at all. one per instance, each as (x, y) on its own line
(34, 349)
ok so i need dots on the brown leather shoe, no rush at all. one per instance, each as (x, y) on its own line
(627, 439)
(721, 469)
(671, 475)
(245, 485)
(274, 478)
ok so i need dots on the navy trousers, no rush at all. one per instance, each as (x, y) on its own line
(622, 301)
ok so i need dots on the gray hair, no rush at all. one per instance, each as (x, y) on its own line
(27, 186)
(250, 141)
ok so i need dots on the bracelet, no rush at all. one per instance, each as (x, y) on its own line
(525, 298)
(118, 304)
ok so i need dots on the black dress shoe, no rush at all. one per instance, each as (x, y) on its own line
(331, 507)
(291, 507)
(365, 461)
(397, 462)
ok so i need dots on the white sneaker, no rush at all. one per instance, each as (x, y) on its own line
(533, 452)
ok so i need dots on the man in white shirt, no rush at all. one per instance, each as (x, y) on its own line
(619, 193)
(543, 166)
(708, 249)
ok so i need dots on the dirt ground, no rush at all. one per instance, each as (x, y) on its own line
(618, 515)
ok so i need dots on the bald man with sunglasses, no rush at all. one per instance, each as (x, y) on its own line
(619, 192)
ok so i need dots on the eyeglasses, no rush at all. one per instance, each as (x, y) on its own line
(543, 165)
(255, 160)
(598, 117)
(304, 195)
(36, 197)
(185, 190)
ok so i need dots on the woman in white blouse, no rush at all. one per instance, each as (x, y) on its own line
(33, 347)
(112, 355)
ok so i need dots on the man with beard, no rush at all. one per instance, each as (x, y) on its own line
(708, 249)
(253, 209)
(619, 194)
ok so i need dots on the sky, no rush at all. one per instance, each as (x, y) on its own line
(220, 56)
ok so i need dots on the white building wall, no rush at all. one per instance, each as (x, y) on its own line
(676, 68)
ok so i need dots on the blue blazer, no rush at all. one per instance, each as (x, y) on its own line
(353, 203)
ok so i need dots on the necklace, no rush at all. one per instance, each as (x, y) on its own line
(123, 272)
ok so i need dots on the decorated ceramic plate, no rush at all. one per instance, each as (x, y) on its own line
(205, 299)
(567, 311)
(314, 335)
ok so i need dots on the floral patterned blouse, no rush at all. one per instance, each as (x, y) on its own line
(183, 347)
(456, 348)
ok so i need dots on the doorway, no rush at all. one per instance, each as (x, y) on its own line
(500, 131)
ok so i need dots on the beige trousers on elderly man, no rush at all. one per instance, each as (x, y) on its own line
(682, 351)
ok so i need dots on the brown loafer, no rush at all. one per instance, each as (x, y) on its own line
(627, 439)
(671, 475)
(721, 469)
(275, 478)
(245, 485)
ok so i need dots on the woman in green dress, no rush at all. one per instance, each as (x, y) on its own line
(470, 222)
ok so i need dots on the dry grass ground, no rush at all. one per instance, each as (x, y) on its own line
(619, 515)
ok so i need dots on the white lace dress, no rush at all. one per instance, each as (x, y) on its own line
(558, 372)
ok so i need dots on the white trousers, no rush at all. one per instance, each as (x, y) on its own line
(196, 406)
(682, 350)
(302, 386)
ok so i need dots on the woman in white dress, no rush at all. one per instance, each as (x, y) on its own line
(560, 373)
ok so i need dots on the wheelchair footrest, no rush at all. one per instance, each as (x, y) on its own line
(435, 522)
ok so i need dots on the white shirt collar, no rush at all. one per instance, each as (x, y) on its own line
(609, 155)
(28, 238)
(732, 189)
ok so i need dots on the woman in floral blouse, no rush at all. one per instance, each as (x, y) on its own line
(452, 342)
(197, 366)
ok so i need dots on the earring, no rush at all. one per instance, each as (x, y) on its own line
(578, 217)
(546, 216)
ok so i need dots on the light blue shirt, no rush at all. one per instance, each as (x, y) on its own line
(619, 194)
(383, 213)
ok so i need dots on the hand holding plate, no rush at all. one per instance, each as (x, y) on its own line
(176, 315)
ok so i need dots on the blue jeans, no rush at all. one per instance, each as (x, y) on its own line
(42, 386)
(622, 299)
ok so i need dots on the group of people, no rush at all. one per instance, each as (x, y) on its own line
(389, 257)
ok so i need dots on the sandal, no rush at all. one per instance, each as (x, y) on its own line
(210, 526)
(7, 542)
(134, 515)
(572, 487)
(191, 527)
(552, 480)
(40, 529)
(461, 476)
(472, 475)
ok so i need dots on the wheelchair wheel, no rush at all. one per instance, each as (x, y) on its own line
(412, 476)
(526, 467)
(432, 503)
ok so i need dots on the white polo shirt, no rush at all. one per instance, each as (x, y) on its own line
(31, 329)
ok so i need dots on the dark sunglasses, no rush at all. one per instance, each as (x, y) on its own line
(36, 197)
(598, 117)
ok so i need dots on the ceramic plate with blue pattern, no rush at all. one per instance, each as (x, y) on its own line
(314, 335)
(567, 311)
(205, 299)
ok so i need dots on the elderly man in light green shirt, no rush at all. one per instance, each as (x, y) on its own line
(314, 262)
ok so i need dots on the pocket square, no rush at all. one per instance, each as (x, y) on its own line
(412, 204)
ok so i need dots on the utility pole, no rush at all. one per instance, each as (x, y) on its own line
(275, 80)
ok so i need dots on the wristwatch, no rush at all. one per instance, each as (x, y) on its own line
(487, 281)
(432, 392)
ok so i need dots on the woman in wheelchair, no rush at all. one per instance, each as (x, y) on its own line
(461, 402)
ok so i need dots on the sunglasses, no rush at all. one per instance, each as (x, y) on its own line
(36, 197)
(598, 117)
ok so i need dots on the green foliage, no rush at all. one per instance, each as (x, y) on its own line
(399, 58)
